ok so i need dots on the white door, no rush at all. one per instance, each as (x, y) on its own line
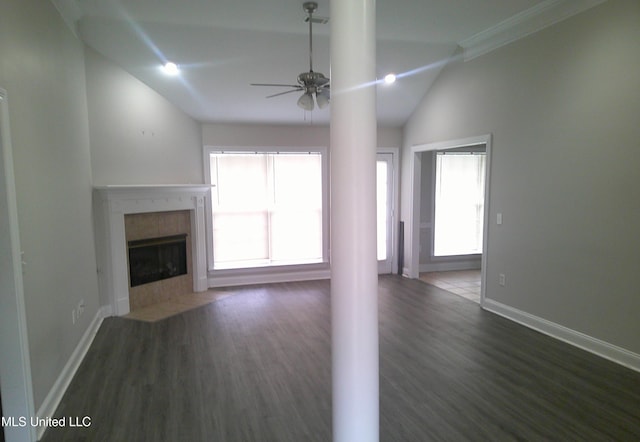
(385, 180)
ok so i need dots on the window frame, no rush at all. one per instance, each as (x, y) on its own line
(481, 148)
(324, 155)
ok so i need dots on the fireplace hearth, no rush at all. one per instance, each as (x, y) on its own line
(156, 259)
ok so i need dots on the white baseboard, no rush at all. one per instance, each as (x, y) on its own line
(106, 311)
(601, 348)
(451, 266)
(51, 402)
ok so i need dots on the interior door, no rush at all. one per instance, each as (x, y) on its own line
(385, 179)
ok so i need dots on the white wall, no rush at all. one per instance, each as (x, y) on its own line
(42, 70)
(137, 136)
(563, 107)
(220, 135)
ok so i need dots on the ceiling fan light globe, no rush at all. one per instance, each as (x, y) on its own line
(306, 102)
(322, 98)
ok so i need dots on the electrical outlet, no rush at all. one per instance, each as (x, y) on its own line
(73, 316)
(502, 280)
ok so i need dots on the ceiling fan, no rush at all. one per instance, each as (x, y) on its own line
(310, 82)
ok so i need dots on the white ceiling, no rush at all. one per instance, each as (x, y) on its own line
(222, 46)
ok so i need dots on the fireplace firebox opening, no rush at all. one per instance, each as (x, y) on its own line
(155, 259)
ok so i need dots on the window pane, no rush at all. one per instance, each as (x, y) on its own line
(296, 235)
(267, 209)
(296, 180)
(296, 218)
(240, 236)
(241, 181)
(459, 204)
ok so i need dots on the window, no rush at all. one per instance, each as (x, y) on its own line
(382, 198)
(266, 208)
(459, 203)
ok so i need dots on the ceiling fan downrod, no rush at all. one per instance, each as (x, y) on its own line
(310, 8)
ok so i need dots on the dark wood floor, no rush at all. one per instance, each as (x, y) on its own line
(256, 367)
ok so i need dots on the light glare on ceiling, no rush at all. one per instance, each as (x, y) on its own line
(390, 78)
(170, 68)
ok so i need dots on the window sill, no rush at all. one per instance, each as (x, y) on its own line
(270, 274)
(263, 264)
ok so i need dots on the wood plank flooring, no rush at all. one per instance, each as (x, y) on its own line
(256, 366)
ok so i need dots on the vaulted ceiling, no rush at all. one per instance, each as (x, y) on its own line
(221, 46)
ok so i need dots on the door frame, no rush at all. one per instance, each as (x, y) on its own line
(394, 197)
(413, 271)
(15, 367)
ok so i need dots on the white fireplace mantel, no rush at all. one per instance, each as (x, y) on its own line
(112, 203)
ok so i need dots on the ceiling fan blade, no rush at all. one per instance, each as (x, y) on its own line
(286, 92)
(274, 84)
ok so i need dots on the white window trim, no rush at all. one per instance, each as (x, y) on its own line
(217, 276)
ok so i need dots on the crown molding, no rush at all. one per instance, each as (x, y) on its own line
(522, 24)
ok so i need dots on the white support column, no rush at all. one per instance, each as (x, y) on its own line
(354, 278)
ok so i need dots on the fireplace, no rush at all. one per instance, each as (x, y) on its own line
(156, 259)
(158, 256)
(131, 213)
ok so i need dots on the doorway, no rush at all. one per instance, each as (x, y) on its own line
(421, 238)
(386, 188)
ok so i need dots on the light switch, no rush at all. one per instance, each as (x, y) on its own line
(499, 218)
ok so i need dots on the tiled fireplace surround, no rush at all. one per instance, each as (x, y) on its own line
(144, 226)
(124, 213)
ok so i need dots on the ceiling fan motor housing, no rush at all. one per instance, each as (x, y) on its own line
(312, 79)
(310, 7)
